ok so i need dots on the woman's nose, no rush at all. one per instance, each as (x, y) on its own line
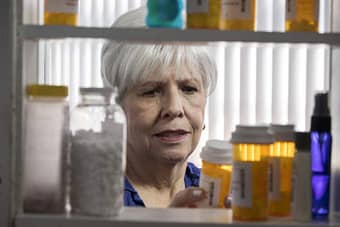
(172, 105)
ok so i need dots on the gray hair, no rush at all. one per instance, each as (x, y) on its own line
(126, 64)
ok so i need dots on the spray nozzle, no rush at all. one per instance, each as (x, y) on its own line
(321, 105)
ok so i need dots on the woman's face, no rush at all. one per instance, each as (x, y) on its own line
(165, 116)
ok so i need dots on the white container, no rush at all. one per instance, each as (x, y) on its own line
(98, 152)
(44, 149)
(302, 202)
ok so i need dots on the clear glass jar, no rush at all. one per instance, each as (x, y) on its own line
(98, 153)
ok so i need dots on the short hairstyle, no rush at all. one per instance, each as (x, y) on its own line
(126, 64)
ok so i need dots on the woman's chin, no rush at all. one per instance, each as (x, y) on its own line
(174, 157)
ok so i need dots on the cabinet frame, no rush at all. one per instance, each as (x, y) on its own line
(11, 99)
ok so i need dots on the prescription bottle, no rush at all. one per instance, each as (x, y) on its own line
(280, 170)
(204, 14)
(216, 173)
(61, 12)
(302, 15)
(238, 14)
(251, 148)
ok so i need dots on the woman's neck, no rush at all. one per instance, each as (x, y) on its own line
(152, 173)
(156, 182)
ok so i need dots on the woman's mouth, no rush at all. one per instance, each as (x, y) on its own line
(172, 136)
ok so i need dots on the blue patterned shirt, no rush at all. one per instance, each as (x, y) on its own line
(131, 197)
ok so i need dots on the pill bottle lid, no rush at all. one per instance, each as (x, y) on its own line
(46, 91)
(217, 151)
(302, 141)
(252, 134)
(283, 132)
(97, 90)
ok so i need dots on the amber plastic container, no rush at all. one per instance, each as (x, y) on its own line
(280, 170)
(216, 173)
(302, 15)
(204, 14)
(221, 14)
(61, 12)
(238, 15)
(251, 148)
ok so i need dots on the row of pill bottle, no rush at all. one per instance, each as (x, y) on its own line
(251, 148)
(280, 170)
(301, 15)
(221, 14)
(61, 12)
(216, 173)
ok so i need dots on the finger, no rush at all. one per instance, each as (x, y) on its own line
(188, 197)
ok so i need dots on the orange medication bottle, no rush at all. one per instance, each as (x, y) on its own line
(238, 14)
(280, 170)
(204, 14)
(61, 12)
(251, 148)
(302, 15)
(216, 173)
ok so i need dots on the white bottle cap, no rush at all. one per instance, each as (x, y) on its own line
(255, 134)
(283, 132)
(217, 152)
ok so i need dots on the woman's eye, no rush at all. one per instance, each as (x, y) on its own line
(189, 89)
(151, 93)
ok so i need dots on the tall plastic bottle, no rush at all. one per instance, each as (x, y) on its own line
(165, 13)
(321, 145)
(45, 149)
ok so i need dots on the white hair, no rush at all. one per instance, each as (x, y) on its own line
(126, 64)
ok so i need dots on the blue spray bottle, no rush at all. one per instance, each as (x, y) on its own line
(321, 145)
(165, 13)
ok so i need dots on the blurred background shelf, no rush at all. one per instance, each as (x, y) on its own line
(30, 32)
(139, 217)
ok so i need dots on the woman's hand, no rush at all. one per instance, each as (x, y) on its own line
(189, 197)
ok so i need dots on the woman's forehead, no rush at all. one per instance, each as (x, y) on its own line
(176, 73)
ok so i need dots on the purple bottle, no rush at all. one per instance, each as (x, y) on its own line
(321, 146)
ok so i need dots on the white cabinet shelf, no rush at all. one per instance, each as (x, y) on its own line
(171, 35)
(139, 217)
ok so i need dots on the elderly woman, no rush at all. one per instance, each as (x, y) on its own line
(163, 90)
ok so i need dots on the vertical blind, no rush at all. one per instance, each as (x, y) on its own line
(257, 82)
